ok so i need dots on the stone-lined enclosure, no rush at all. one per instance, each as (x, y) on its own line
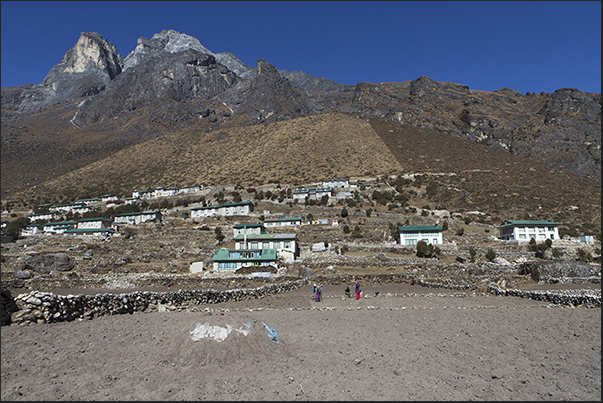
(45, 307)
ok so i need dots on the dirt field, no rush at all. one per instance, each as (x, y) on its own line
(406, 343)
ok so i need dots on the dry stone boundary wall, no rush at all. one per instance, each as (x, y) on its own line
(45, 307)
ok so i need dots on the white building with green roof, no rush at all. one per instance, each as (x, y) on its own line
(411, 235)
(229, 260)
(524, 230)
(248, 229)
(286, 245)
(228, 209)
(138, 217)
(282, 222)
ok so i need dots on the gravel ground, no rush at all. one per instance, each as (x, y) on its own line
(405, 343)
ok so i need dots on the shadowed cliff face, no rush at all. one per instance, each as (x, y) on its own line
(95, 102)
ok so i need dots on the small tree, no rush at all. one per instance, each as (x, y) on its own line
(346, 229)
(219, 235)
(491, 255)
(583, 256)
(472, 253)
(344, 212)
(356, 233)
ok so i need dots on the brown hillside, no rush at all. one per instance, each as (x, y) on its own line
(302, 151)
(490, 180)
(298, 151)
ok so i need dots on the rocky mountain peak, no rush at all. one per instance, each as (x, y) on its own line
(169, 41)
(271, 97)
(90, 54)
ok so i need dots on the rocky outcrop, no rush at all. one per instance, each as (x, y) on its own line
(271, 97)
(562, 129)
(47, 262)
(84, 70)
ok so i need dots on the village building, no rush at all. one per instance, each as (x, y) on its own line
(31, 230)
(88, 202)
(109, 198)
(411, 235)
(137, 217)
(311, 193)
(248, 229)
(74, 208)
(286, 245)
(97, 226)
(229, 260)
(336, 183)
(161, 192)
(524, 230)
(228, 209)
(42, 216)
(282, 222)
(58, 227)
(189, 189)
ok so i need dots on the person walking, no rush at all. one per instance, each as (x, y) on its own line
(319, 292)
(347, 291)
(357, 291)
(316, 294)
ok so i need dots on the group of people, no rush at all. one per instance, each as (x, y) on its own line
(317, 290)
(347, 291)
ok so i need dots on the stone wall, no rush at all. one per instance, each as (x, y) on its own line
(589, 298)
(45, 307)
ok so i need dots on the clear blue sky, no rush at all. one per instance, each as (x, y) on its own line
(530, 46)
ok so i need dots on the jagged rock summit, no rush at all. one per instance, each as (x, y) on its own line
(84, 70)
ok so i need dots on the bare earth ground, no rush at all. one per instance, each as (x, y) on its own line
(407, 343)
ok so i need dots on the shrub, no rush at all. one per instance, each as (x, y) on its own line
(491, 255)
(219, 235)
(472, 253)
(344, 212)
(427, 250)
(13, 228)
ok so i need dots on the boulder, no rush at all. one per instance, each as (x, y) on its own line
(45, 263)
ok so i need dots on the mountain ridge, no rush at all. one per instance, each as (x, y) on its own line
(171, 83)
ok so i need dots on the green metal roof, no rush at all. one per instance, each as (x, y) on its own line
(248, 225)
(237, 204)
(259, 237)
(420, 228)
(283, 219)
(94, 219)
(526, 223)
(61, 223)
(223, 255)
(81, 230)
(224, 205)
(137, 213)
